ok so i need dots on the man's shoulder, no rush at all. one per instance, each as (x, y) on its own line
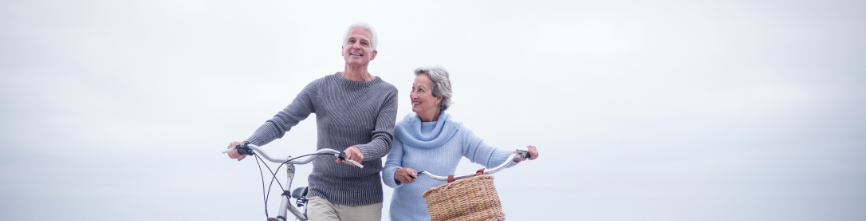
(328, 78)
(325, 80)
(387, 86)
(318, 83)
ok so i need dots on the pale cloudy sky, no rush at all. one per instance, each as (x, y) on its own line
(642, 110)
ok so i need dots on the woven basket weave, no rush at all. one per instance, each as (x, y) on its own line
(472, 198)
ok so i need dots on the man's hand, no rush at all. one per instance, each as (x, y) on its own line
(533, 153)
(234, 154)
(352, 153)
(405, 175)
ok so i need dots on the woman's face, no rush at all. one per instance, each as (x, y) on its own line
(423, 102)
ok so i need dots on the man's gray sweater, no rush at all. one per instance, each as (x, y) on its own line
(348, 114)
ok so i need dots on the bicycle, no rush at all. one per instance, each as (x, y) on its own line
(519, 153)
(299, 193)
(469, 197)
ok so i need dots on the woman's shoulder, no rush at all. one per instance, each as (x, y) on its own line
(403, 127)
(460, 128)
(449, 121)
(409, 119)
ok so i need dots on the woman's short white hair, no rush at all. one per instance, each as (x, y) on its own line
(374, 39)
(440, 83)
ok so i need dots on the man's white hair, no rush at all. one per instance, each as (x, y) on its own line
(374, 39)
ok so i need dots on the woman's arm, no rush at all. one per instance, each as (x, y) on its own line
(477, 151)
(394, 161)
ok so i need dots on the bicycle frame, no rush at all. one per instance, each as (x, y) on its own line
(285, 206)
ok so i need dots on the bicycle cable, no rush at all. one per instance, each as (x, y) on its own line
(260, 161)
(261, 173)
(274, 174)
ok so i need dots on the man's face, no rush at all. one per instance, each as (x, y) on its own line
(357, 50)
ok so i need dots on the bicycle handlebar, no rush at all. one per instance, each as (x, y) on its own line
(251, 149)
(520, 153)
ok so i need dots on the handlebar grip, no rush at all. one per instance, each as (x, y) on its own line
(342, 156)
(243, 149)
(523, 152)
(355, 163)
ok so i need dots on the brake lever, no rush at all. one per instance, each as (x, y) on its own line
(242, 149)
(342, 156)
(523, 152)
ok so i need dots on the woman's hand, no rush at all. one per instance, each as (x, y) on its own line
(405, 175)
(533, 153)
(234, 154)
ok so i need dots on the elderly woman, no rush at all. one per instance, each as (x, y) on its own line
(429, 140)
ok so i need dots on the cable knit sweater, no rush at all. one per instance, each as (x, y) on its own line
(347, 113)
(435, 147)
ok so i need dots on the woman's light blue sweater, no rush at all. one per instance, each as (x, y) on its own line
(435, 147)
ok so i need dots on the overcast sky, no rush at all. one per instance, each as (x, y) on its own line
(641, 110)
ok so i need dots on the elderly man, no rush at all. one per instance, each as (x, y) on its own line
(355, 113)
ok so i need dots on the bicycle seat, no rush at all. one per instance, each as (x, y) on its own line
(299, 192)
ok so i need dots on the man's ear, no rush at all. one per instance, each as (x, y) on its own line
(342, 50)
(373, 56)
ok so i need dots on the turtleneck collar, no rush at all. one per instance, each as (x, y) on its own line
(411, 131)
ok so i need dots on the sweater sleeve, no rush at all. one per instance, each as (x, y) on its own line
(283, 121)
(394, 162)
(383, 134)
(479, 152)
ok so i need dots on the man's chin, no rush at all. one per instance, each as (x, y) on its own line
(352, 62)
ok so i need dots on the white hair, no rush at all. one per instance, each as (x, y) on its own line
(374, 39)
(440, 83)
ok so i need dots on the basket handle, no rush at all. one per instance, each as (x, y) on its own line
(479, 172)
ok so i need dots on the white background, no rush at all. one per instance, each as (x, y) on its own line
(642, 110)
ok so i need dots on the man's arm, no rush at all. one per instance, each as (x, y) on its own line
(383, 134)
(283, 121)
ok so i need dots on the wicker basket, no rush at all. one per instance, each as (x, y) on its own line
(472, 198)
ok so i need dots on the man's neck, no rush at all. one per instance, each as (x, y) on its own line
(356, 74)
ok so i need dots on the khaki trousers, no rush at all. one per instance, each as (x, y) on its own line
(319, 209)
